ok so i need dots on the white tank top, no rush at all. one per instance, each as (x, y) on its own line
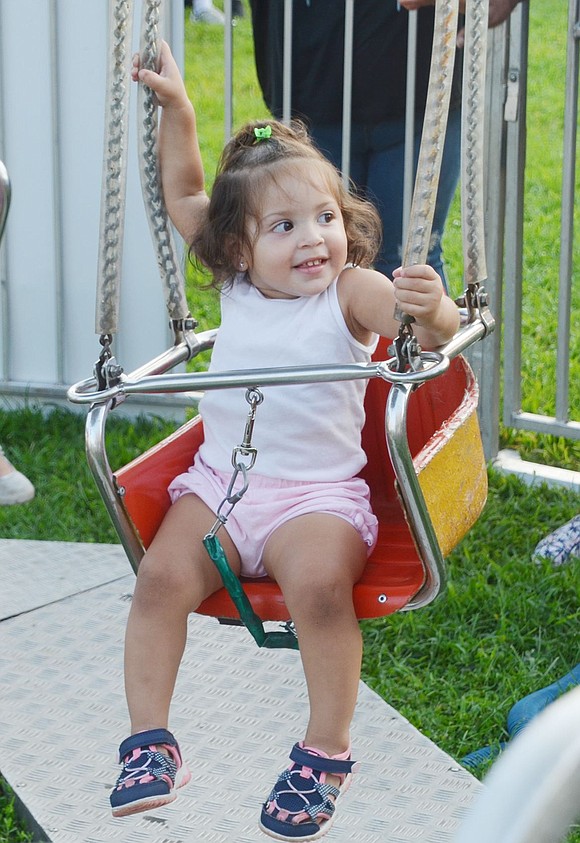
(303, 431)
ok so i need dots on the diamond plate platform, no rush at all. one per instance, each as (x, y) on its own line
(237, 710)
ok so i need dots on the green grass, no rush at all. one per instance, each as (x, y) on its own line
(11, 829)
(506, 626)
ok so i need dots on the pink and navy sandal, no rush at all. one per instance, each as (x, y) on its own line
(149, 777)
(301, 805)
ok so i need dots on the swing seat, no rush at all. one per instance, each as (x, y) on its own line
(445, 443)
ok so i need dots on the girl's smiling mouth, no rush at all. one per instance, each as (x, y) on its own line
(313, 263)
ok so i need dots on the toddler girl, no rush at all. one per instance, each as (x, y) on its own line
(290, 248)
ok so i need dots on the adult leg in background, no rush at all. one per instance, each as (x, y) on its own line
(384, 185)
(377, 166)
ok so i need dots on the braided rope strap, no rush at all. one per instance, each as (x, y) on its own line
(114, 168)
(472, 125)
(416, 246)
(161, 232)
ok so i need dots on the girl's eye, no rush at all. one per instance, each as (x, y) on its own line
(282, 227)
(326, 217)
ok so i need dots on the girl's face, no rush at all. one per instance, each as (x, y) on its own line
(300, 244)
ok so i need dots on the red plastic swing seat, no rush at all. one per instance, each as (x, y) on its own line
(394, 572)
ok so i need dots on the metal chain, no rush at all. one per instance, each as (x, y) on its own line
(161, 233)
(287, 637)
(406, 350)
(114, 168)
(473, 110)
(416, 247)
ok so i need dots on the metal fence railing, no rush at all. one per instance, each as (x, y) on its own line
(505, 208)
(563, 422)
(56, 270)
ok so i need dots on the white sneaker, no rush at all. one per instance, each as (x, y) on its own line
(15, 488)
(210, 15)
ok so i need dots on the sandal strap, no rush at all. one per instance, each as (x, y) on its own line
(318, 762)
(142, 740)
(150, 766)
(312, 808)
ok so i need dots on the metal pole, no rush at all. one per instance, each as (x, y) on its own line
(347, 90)
(515, 166)
(229, 71)
(409, 169)
(287, 64)
(56, 193)
(567, 219)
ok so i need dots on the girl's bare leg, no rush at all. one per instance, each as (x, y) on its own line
(175, 576)
(316, 559)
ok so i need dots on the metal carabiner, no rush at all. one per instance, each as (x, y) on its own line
(231, 497)
(406, 349)
(254, 398)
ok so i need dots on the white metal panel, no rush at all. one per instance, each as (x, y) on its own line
(28, 136)
(53, 57)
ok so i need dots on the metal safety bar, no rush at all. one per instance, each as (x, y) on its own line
(152, 377)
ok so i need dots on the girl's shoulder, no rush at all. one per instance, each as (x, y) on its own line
(354, 279)
(364, 296)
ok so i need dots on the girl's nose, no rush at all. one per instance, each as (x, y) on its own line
(311, 235)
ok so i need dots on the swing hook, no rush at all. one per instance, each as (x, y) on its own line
(182, 327)
(406, 349)
(107, 371)
(476, 304)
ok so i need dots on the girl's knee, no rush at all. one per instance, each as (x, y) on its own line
(166, 582)
(324, 599)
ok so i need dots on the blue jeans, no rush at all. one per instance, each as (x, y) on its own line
(376, 167)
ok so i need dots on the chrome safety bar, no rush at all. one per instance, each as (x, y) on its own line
(152, 377)
(417, 514)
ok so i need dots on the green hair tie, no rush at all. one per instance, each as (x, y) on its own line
(263, 133)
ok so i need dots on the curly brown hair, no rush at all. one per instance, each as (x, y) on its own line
(246, 166)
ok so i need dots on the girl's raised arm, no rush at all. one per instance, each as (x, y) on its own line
(180, 161)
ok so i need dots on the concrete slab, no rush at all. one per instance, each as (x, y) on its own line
(237, 711)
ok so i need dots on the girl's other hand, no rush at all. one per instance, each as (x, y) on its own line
(419, 291)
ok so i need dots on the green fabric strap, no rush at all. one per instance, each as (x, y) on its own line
(234, 588)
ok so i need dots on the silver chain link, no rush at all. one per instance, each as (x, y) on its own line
(161, 233)
(473, 110)
(114, 168)
(416, 247)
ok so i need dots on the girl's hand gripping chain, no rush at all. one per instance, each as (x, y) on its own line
(180, 161)
(167, 82)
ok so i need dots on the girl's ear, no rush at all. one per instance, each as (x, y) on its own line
(235, 253)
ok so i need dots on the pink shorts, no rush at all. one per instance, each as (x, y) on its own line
(268, 503)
